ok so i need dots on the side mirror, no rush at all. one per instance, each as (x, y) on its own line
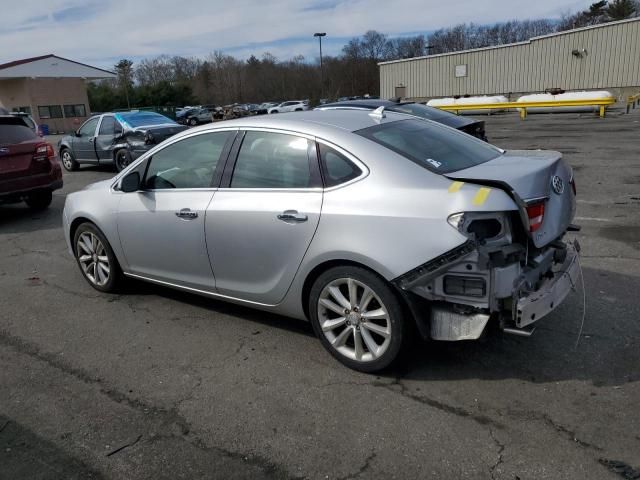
(130, 183)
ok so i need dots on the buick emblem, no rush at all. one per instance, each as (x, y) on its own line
(557, 184)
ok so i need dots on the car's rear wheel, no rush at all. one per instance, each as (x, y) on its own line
(357, 317)
(274, 111)
(39, 200)
(122, 159)
(68, 160)
(95, 258)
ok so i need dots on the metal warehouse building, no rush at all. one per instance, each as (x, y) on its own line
(603, 56)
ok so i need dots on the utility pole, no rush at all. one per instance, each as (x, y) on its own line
(320, 35)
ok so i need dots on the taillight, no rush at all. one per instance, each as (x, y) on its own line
(535, 213)
(44, 151)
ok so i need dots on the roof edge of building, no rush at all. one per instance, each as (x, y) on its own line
(25, 61)
(524, 42)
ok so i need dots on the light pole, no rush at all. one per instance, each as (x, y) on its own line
(320, 35)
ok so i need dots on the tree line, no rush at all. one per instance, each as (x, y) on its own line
(222, 79)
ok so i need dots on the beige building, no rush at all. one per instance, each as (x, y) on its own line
(603, 56)
(50, 88)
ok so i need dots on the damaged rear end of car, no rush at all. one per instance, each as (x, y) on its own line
(516, 266)
(513, 208)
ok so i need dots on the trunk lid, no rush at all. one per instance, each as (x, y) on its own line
(162, 132)
(530, 177)
(17, 148)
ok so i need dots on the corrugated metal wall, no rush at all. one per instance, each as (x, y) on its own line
(612, 59)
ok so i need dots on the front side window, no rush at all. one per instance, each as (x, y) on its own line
(336, 168)
(89, 128)
(432, 146)
(272, 160)
(188, 163)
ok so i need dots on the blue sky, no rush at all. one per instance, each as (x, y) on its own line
(101, 32)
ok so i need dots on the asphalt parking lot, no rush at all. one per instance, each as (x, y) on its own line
(156, 383)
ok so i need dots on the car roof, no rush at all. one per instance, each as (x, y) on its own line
(313, 122)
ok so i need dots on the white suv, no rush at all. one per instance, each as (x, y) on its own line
(290, 106)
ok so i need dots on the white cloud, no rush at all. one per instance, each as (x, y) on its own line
(99, 32)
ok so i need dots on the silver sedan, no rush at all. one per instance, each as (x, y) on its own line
(367, 224)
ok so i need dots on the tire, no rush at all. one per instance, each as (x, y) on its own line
(274, 111)
(68, 160)
(39, 200)
(93, 253)
(364, 343)
(193, 122)
(298, 109)
(122, 159)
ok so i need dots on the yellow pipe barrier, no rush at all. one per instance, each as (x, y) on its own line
(632, 101)
(602, 103)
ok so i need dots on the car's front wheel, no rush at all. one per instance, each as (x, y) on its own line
(193, 122)
(68, 160)
(95, 258)
(357, 317)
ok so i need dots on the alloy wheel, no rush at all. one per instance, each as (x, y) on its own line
(354, 320)
(67, 161)
(122, 160)
(93, 258)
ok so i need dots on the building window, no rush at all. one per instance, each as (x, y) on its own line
(49, 111)
(75, 111)
(26, 110)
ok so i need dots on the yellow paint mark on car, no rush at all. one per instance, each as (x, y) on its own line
(481, 196)
(455, 186)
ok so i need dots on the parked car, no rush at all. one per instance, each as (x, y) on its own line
(29, 167)
(115, 138)
(29, 121)
(199, 116)
(464, 124)
(264, 107)
(361, 222)
(290, 106)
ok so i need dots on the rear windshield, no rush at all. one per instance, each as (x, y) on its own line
(13, 130)
(431, 145)
(142, 119)
(418, 110)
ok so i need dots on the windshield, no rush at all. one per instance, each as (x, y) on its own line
(142, 119)
(431, 145)
(418, 110)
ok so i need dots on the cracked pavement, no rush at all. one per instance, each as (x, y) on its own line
(154, 383)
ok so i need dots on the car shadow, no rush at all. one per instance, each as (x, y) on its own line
(19, 218)
(608, 352)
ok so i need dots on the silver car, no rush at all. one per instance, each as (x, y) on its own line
(367, 224)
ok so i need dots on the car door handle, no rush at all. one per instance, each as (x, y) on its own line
(186, 213)
(292, 216)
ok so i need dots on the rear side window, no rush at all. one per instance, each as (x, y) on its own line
(272, 160)
(13, 130)
(336, 168)
(432, 146)
(107, 126)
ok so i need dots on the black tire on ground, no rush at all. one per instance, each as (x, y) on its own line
(193, 122)
(274, 111)
(399, 325)
(122, 159)
(116, 279)
(68, 160)
(39, 200)
(298, 110)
